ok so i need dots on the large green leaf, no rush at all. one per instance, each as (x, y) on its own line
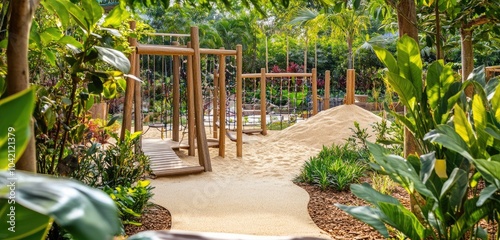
(491, 168)
(464, 129)
(403, 220)
(19, 222)
(80, 16)
(407, 93)
(15, 128)
(93, 10)
(387, 59)
(439, 79)
(446, 136)
(368, 215)
(472, 215)
(85, 212)
(428, 162)
(479, 113)
(410, 63)
(116, 16)
(57, 7)
(486, 193)
(495, 104)
(399, 170)
(114, 58)
(455, 188)
(367, 193)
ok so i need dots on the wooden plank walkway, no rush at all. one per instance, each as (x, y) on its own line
(164, 160)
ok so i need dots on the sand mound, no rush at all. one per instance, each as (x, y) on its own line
(328, 127)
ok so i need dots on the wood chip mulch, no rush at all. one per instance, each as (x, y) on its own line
(155, 217)
(337, 223)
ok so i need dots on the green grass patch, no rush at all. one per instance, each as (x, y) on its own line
(334, 167)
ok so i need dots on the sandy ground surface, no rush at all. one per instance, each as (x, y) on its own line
(255, 194)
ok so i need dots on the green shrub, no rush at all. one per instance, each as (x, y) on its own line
(334, 167)
(131, 200)
(117, 165)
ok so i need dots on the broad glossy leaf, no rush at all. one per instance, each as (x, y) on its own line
(491, 87)
(410, 63)
(15, 128)
(495, 104)
(50, 55)
(50, 34)
(122, 83)
(93, 10)
(479, 113)
(27, 223)
(440, 78)
(486, 167)
(367, 193)
(115, 58)
(368, 215)
(428, 162)
(463, 128)
(57, 7)
(446, 136)
(485, 194)
(403, 220)
(79, 15)
(387, 59)
(455, 188)
(472, 215)
(69, 40)
(116, 16)
(478, 75)
(109, 90)
(406, 91)
(89, 103)
(85, 212)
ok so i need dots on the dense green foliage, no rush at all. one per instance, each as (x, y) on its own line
(448, 199)
(334, 167)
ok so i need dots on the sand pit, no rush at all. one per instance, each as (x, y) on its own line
(254, 194)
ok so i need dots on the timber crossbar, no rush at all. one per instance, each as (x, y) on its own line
(154, 49)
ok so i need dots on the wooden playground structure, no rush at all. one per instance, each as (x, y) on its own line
(163, 158)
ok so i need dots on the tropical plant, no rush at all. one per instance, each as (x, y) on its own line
(427, 105)
(334, 167)
(30, 204)
(449, 201)
(131, 200)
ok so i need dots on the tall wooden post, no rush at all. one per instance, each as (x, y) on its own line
(222, 105)
(137, 94)
(129, 93)
(176, 96)
(314, 83)
(190, 103)
(239, 101)
(263, 103)
(326, 99)
(351, 79)
(201, 137)
(215, 101)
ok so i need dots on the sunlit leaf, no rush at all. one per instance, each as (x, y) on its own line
(114, 58)
(15, 124)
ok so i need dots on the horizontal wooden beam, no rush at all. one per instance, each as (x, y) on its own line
(153, 49)
(218, 51)
(258, 75)
(169, 34)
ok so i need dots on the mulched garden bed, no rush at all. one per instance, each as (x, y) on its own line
(336, 222)
(155, 217)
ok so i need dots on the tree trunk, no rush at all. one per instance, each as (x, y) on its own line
(17, 66)
(467, 52)
(407, 18)
(439, 49)
(305, 54)
(350, 64)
